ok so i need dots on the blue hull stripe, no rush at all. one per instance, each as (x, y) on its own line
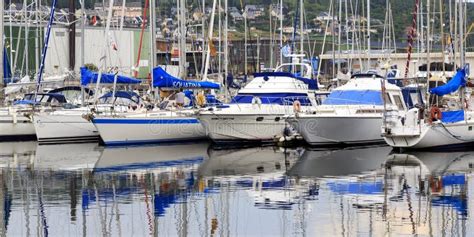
(145, 121)
(170, 163)
(157, 141)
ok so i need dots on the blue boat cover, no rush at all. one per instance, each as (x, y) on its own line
(458, 202)
(312, 83)
(7, 72)
(354, 97)
(452, 116)
(454, 179)
(345, 187)
(453, 85)
(88, 77)
(164, 80)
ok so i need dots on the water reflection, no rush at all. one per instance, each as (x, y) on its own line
(195, 190)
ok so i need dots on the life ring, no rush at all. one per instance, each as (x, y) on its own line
(296, 106)
(435, 114)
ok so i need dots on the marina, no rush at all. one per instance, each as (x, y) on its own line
(236, 118)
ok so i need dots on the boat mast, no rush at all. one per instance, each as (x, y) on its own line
(182, 38)
(106, 45)
(72, 35)
(461, 33)
(208, 55)
(152, 39)
(45, 48)
(368, 34)
(301, 29)
(245, 39)
(2, 46)
(226, 43)
(144, 21)
(281, 31)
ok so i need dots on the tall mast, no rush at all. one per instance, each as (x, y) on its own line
(182, 38)
(226, 41)
(72, 34)
(301, 27)
(152, 38)
(106, 45)
(2, 7)
(83, 32)
(281, 31)
(368, 34)
(461, 33)
(27, 40)
(339, 33)
(45, 47)
(245, 40)
(203, 22)
(208, 55)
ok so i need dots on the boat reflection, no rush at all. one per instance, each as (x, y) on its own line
(343, 162)
(194, 190)
(440, 178)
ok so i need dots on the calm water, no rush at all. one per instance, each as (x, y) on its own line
(193, 190)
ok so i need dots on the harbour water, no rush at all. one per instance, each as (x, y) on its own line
(197, 190)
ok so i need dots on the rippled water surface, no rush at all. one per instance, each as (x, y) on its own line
(195, 190)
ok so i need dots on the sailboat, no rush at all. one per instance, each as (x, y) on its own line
(444, 124)
(164, 124)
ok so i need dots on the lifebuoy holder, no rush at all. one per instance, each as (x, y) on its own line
(297, 106)
(435, 114)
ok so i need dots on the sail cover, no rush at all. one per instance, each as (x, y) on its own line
(453, 85)
(7, 72)
(88, 77)
(164, 80)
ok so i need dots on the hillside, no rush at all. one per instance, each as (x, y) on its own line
(402, 12)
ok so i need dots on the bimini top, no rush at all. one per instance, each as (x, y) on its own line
(162, 79)
(88, 77)
(459, 80)
(29, 99)
(362, 91)
(130, 95)
(72, 88)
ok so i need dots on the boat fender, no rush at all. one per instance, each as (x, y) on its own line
(256, 101)
(296, 106)
(15, 120)
(435, 114)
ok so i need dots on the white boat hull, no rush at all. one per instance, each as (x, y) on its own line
(339, 130)
(16, 127)
(243, 127)
(54, 128)
(436, 135)
(143, 130)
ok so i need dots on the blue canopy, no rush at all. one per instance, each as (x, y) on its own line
(164, 80)
(453, 85)
(88, 77)
(354, 97)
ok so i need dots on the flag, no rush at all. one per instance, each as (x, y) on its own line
(286, 50)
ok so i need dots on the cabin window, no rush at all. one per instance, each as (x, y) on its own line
(415, 98)
(398, 101)
(259, 119)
